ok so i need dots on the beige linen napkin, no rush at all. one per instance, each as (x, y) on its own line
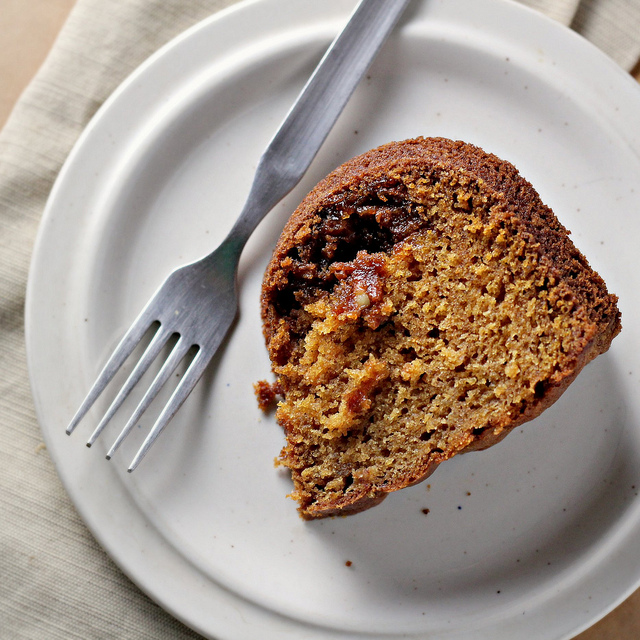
(55, 581)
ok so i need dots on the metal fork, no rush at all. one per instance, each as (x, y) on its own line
(198, 302)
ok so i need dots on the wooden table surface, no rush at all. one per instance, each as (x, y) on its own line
(28, 29)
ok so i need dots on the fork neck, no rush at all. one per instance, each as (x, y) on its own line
(268, 188)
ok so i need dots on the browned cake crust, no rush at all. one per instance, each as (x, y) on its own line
(421, 302)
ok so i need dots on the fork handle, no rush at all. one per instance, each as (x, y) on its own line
(300, 136)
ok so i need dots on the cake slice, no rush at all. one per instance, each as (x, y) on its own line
(421, 302)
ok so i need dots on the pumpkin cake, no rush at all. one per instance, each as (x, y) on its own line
(421, 302)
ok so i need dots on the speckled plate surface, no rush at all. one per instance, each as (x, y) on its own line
(535, 538)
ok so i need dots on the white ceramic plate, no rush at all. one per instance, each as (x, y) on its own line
(535, 538)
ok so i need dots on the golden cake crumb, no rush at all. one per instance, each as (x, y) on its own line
(267, 393)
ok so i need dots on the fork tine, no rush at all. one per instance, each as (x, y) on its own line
(120, 354)
(151, 352)
(188, 382)
(178, 352)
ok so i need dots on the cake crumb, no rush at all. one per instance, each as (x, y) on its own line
(267, 394)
